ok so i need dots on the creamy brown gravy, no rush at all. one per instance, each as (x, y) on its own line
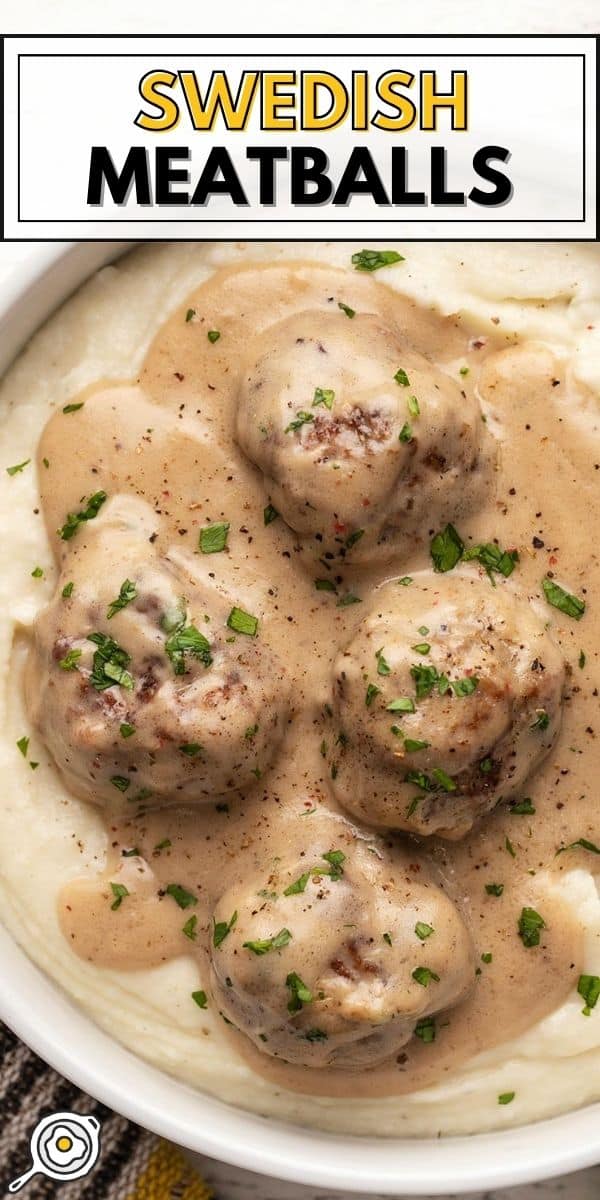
(171, 443)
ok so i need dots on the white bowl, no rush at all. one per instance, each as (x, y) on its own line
(44, 1017)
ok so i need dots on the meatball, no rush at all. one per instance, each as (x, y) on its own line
(357, 435)
(335, 958)
(449, 696)
(136, 684)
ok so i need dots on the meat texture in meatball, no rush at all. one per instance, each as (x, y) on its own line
(449, 696)
(335, 958)
(357, 435)
(136, 684)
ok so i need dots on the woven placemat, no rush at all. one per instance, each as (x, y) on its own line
(133, 1164)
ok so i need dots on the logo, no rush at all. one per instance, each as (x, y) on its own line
(63, 1146)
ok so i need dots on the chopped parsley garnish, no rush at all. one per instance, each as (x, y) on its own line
(119, 892)
(589, 989)
(199, 998)
(70, 661)
(127, 593)
(353, 538)
(120, 782)
(581, 659)
(190, 928)
(523, 809)
(191, 312)
(71, 408)
(109, 664)
(494, 889)
(74, 520)
(180, 895)
(67, 591)
(405, 581)
(133, 853)
(371, 693)
(530, 927)
(425, 678)
(424, 976)
(213, 336)
(372, 260)
(325, 585)
(300, 994)
(298, 885)
(213, 538)
(335, 858)
(23, 745)
(349, 598)
(411, 745)
(350, 312)
(423, 931)
(580, 844)
(265, 945)
(251, 732)
(316, 1035)
(38, 573)
(184, 639)
(425, 1029)
(542, 720)
(323, 396)
(270, 514)
(406, 433)
(126, 730)
(420, 780)
(486, 765)
(493, 558)
(222, 929)
(242, 622)
(401, 377)
(401, 704)
(568, 604)
(463, 371)
(164, 845)
(421, 648)
(16, 470)
(466, 686)
(510, 848)
(191, 749)
(445, 781)
(383, 667)
(506, 1097)
(413, 406)
(387, 937)
(486, 958)
(301, 418)
(447, 549)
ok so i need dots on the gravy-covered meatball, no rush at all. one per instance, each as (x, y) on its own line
(357, 435)
(335, 958)
(139, 688)
(449, 696)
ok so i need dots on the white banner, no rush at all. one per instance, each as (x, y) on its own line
(412, 137)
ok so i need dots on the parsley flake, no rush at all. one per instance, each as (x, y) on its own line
(373, 260)
(213, 538)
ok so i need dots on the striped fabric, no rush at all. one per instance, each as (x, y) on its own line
(133, 1164)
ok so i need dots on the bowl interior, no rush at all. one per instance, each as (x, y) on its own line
(44, 1017)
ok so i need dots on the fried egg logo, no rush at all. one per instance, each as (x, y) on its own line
(63, 1146)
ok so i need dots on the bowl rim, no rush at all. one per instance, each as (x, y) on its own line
(34, 1006)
